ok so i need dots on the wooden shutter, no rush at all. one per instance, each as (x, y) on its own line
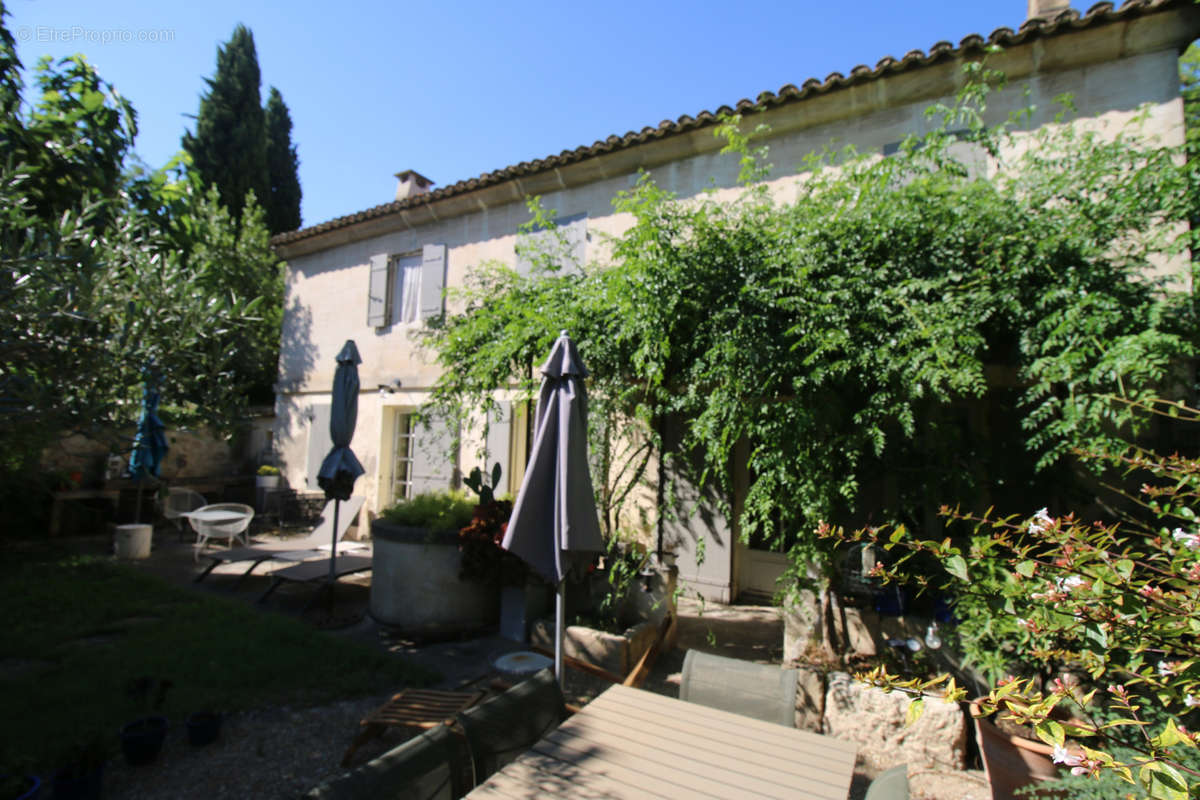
(499, 437)
(379, 294)
(433, 278)
(319, 442)
(574, 231)
(434, 465)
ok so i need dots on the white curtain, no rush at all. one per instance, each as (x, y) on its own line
(410, 291)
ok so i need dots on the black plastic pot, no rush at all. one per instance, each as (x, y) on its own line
(203, 727)
(78, 783)
(142, 739)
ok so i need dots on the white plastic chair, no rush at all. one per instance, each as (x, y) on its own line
(237, 524)
(179, 502)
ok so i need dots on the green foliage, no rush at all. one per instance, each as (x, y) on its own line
(103, 270)
(229, 147)
(892, 331)
(1189, 79)
(267, 469)
(624, 559)
(1113, 609)
(283, 202)
(437, 511)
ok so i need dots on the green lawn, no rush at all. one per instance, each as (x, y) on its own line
(76, 632)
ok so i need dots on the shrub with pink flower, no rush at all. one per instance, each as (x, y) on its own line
(1113, 604)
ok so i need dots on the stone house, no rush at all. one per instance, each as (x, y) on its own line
(376, 275)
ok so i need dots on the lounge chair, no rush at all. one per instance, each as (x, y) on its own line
(432, 766)
(762, 691)
(319, 539)
(315, 571)
(502, 728)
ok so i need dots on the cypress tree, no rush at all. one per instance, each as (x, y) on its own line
(283, 203)
(229, 148)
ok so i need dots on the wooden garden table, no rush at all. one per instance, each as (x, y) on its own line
(629, 743)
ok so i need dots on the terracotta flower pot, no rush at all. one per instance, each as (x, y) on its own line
(1011, 761)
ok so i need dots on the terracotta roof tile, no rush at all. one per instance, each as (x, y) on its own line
(1067, 20)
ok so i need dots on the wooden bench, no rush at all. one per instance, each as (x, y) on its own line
(413, 708)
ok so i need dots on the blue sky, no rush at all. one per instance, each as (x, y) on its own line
(455, 89)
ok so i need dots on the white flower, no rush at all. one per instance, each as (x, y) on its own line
(1069, 583)
(1166, 669)
(1041, 521)
(1062, 756)
(1189, 540)
(1191, 701)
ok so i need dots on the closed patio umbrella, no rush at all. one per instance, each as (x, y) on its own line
(150, 441)
(340, 468)
(554, 525)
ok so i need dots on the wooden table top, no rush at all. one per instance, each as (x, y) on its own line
(630, 743)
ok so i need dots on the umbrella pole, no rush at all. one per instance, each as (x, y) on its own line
(559, 614)
(337, 506)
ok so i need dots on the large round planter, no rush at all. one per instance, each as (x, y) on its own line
(1011, 761)
(267, 481)
(415, 587)
(142, 739)
(133, 541)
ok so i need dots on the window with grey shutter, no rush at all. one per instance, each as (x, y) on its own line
(319, 442)
(972, 155)
(433, 278)
(434, 465)
(499, 435)
(565, 245)
(379, 292)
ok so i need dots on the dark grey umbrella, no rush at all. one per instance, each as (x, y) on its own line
(340, 468)
(554, 524)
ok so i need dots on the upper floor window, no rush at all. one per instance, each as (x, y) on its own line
(406, 287)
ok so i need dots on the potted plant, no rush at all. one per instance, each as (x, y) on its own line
(142, 739)
(267, 477)
(523, 595)
(416, 585)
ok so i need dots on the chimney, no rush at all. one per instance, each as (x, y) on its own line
(412, 183)
(1047, 9)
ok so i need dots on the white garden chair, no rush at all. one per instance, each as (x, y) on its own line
(178, 503)
(220, 521)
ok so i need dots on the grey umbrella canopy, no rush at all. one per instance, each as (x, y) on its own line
(554, 523)
(341, 469)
